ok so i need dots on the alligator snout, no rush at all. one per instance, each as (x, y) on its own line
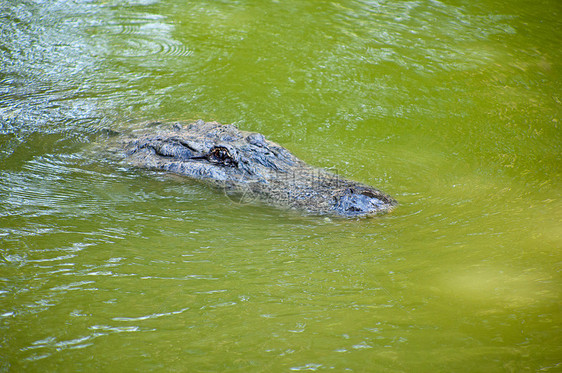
(360, 201)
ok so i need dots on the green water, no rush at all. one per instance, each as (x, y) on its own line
(452, 107)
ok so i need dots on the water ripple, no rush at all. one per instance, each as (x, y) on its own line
(48, 67)
(142, 35)
(151, 316)
(407, 34)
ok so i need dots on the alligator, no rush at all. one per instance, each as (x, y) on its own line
(246, 163)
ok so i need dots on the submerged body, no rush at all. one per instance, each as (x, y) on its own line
(249, 164)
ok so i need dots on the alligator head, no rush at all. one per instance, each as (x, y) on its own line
(248, 163)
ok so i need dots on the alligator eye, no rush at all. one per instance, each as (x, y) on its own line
(220, 155)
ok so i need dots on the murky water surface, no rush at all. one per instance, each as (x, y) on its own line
(453, 107)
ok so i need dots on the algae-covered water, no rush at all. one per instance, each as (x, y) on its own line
(452, 107)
